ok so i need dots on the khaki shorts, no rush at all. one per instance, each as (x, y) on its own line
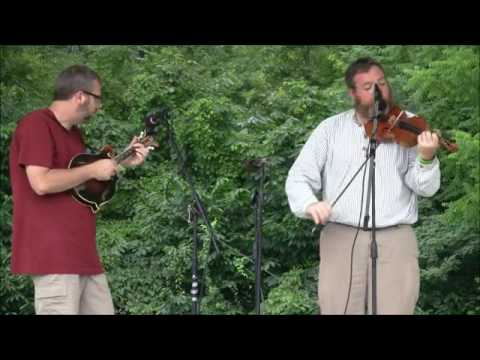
(66, 294)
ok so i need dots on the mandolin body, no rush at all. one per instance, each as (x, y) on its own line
(93, 193)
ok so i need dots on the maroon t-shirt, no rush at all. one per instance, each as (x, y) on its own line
(53, 233)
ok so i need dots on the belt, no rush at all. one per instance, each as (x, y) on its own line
(370, 229)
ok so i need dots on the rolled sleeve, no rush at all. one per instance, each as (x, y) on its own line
(424, 179)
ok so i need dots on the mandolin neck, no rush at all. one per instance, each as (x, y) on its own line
(145, 141)
(124, 155)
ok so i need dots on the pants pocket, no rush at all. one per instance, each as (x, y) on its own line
(51, 295)
(49, 286)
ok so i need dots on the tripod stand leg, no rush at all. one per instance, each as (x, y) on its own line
(195, 283)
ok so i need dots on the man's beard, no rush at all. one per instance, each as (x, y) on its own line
(366, 110)
(84, 113)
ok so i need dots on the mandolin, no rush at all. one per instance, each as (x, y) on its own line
(96, 193)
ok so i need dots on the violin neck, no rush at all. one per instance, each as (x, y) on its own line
(451, 147)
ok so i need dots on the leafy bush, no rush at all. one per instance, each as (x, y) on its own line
(229, 104)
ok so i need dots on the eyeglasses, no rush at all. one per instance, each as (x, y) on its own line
(98, 97)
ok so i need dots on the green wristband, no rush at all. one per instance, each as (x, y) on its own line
(423, 161)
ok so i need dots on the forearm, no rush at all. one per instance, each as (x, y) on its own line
(59, 180)
(424, 180)
(300, 193)
(304, 177)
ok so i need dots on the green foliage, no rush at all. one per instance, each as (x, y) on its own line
(16, 292)
(294, 295)
(450, 263)
(431, 88)
(229, 104)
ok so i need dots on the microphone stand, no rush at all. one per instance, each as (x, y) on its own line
(194, 211)
(192, 219)
(371, 195)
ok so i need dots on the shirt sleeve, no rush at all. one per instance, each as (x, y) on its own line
(35, 143)
(423, 180)
(304, 179)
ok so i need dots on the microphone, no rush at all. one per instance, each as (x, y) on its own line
(156, 117)
(380, 103)
(255, 164)
(380, 106)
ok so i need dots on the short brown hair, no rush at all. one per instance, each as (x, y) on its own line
(73, 79)
(360, 65)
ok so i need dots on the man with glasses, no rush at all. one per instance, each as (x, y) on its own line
(54, 236)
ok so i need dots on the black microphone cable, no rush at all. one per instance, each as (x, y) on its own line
(355, 238)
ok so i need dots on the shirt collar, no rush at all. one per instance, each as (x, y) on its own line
(355, 118)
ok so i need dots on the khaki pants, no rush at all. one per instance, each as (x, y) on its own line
(398, 275)
(65, 294)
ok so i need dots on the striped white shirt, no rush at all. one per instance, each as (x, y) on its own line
(331, 156)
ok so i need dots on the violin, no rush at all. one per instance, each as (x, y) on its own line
(398, 127)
